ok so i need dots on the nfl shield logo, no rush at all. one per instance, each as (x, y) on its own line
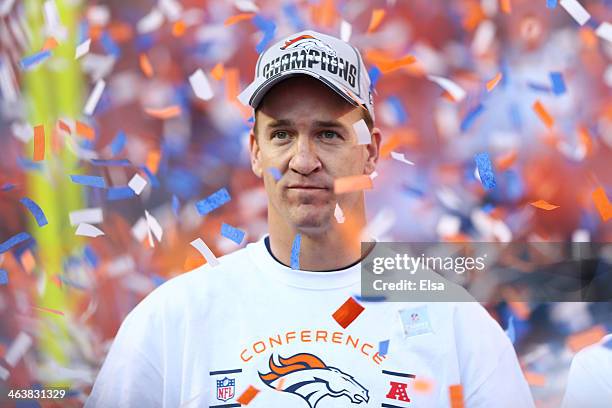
(225, 389)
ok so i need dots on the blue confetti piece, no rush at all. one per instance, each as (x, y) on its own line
(152, 177)
(120, 193)
(3, 277)
(374, 74)
(36, 211)
(471, 117)
(293, 14)
(515, 117)
(29, 165)
(176, 205)
(295, 252)
(370, 298)
(213, 201)
(510, 331)
(158, 280)
(235, 234)
(485, 170)
(14, 240)
(90, 256)
(558, 84)
(7, 187)
(34, 59)
(551, 4)
(91, 181)
(275, 173)
(109, 45)
(538, 87)
(593, 23)
(398, 109)
(118, 143)
(268, 27)
(383, 347)
(83, 31)
(109, 163)
(488, 208)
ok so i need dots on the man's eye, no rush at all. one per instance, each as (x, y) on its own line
(280, 134)
(329, 134)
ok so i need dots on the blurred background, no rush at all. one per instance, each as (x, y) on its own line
(117, 117)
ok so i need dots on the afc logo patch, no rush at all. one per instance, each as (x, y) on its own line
(226, 389)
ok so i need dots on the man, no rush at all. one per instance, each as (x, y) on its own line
(262, 318)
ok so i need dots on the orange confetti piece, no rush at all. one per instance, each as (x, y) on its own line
(544, 205)
(456, 396)
(145, 65)
(543, 114)
(506, 6)
(164, 113)
(46, 309)
(421, 385)
(247, 396)
(179, 28)
(39, 143)
(50, 43)
(348, 312)
(396, 64)
(504, 162)
(493, 82)
(376, 19)
(84, 130)
(28, 261)
(585, 139)
(520, 309)
(602, 204)
(238, 18)
(352, 183)
(120, 31)
(535, 379)
(324, 14)
(578, 341)
(153, 158)
(64, 126)
(217, 72)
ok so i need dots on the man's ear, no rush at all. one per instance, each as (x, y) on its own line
(373, 150)
(255, 154)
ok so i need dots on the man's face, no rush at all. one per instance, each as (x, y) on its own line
(305, 131)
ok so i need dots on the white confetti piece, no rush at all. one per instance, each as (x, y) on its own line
(339, 214)
(82, 48)
(449, 86)
(171, 8)
(53, 25)
(4, 373)
(575, 9)
(202, 248)
(98, 15)
(246, 6)
(6, 6)
(200, 85)
(17, 349)
(401, 157)
(345, 31)
(88, 230)
(150, 22)
(448, 225)
(94, 97)
(608, 76)
(8, 86)
(362, 131)
(86, 216)
(23, 131)
(154, 227)
(605, 31)
(137, 183)
(483, 38)
(374, 175)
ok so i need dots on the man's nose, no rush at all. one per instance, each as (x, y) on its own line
(305, 159)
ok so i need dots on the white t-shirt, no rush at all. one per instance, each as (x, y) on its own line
(202, 338)
(589, 383)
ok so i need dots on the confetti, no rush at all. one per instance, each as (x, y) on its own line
(88, 230)
(238, 18)
(551, 4)
(145, 65)
(295, 251)
(276, 174)
(376, 19)
(456, 396)
(544, 205)
(383, 347)
(34, 60)
(558, 85)
(119, 193)
(154, 227)
(84, 130)
(471, 117)
(605, 31)
(137, 183)
(91, 181)
(510, 331)
(339, 214)
(17, 349)
(35, 210)
(246, 6)
(603, 205)
(493, 82)
(94, 97)
(401, 157)
(87, 216)
(575, 9)
(217, 72)
(543, 114)
(179, 28)
(345, 31)
(348, 312)
(485, 170)
(483, 38)
(39, 143)
(352, 183)
(268, 28)
(214, 201)
(506, 6)
(247, 396)
(421, 385)
(104, 163)
(4, 279)
(456, 92)
(118, 143)
(580, 340)
(200, 85)
(82, 48)
(535, 379)
(203, 249)
(164, 113)
(45, 309)
(14, 240)
(362, 132)
(235, 234)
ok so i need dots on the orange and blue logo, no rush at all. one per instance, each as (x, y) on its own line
(308, 42)
(307, 376)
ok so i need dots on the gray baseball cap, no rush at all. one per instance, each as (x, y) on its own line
(332, 61)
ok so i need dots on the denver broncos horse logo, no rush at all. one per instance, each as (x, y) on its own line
(307, 376)
(308, 41)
